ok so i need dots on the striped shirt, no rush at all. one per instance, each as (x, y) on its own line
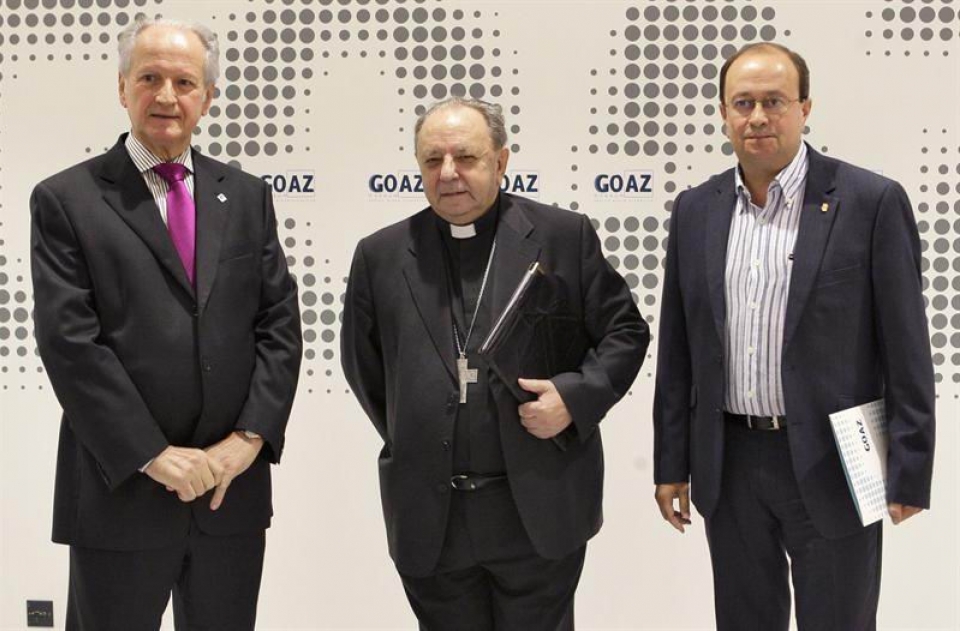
(757, 278)
(144, 160)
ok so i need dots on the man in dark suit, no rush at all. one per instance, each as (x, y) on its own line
(488, 503)
(792, 290)
(170, 329)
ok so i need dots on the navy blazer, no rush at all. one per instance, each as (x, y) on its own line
(855, 331)
(139, 359)
(398, 356)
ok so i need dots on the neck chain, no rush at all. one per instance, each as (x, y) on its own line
(462, 349)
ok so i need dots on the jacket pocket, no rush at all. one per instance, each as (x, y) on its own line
(237, 251)
(839, 275)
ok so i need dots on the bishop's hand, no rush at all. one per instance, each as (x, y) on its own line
(548, 415)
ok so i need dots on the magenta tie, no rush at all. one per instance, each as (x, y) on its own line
(181, 214)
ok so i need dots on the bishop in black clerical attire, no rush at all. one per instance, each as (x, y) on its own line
(488, 500)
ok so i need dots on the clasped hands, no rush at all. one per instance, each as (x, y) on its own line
(667, 494)
(191, 472)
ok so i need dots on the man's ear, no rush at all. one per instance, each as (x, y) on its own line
(121, 88)
(208, 99)
(805, 107)
(502, 158)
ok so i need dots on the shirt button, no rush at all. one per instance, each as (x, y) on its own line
(750, 350)
(446, 445)
(754, 305)
(750, 394)
(763, 221)
(756, 262)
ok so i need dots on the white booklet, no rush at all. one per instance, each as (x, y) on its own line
(861, 434)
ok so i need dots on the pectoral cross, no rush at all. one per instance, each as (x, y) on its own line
(466, 375)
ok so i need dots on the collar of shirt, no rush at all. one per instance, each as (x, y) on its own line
(787, 183)
(486, 223)
(145, 160)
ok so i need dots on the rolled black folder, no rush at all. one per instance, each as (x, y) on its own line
(535, 337)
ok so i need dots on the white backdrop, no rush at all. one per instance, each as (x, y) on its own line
(612, 111)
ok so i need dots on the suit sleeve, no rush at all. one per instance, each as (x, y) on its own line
(671, 402)
(905, 350)
(360, 351)
(279, 343)
(102, 405)
(619, 337)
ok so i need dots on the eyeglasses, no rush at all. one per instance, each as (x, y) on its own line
(772, 105)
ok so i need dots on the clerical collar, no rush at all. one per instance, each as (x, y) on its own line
(486, 222)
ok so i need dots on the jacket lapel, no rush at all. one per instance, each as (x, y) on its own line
(213, 206)
(816, 220)
(718, 219)
(126, 192)
(426, 277)
(515, 253)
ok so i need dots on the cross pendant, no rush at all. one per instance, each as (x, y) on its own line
(466, 375)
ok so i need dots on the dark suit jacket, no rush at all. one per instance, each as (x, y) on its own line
(855, 331)
(398, 355)
(140, 361)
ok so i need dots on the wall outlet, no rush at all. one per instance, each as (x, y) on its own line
(39, 613)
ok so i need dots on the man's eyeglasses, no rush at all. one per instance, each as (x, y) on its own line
(772, 105)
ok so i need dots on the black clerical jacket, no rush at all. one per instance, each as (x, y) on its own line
(398, 355)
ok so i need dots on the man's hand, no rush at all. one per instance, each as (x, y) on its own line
(185, 470)
(665, 496)
(900, 512)
(547, 416)
(234, 454)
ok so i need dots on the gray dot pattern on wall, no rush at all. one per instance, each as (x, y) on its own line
(18, 349)
(321, 301)
(913, 28)
(65, 29)
(271, 57)
(937, 208)
(634, 246)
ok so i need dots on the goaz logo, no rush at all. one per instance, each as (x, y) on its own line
(404, 184)
(863, 435)
(292, 183)
(409, 184)
(525, 183)
(632, 184)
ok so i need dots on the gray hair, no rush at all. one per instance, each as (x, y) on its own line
(128, 37)
(491, 112)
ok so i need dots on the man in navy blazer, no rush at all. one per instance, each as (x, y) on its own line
(792, 290)
(169, 327)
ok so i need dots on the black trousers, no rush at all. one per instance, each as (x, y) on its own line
(215, 583)
(489, 576)
(760, 522)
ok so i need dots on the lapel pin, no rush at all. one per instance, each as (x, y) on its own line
(223, 198)
(825, 207)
